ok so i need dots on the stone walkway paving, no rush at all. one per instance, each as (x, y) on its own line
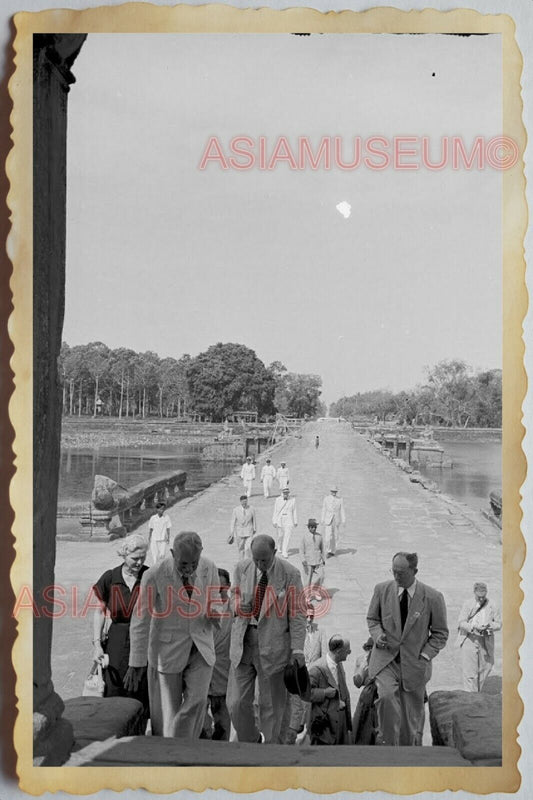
(384, 512)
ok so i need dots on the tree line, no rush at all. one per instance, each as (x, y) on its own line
(453, 395)
(225, 379)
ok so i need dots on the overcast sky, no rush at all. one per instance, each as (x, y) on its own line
(166, 257)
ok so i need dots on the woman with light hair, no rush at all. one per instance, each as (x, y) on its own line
(117, 590)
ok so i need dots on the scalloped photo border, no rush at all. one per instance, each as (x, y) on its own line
(146, 18)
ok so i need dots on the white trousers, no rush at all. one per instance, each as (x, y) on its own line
(267, 485)
(330, 536)
(158, 549)
(285, 530)
(244, 546)
(247, 483)
(476, 664)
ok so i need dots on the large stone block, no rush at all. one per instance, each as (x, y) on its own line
(95, 719)
(469, 721)
(477, 730)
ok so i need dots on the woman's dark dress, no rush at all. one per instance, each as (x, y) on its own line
(112, 590)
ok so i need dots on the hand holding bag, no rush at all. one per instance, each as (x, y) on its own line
(94, 685)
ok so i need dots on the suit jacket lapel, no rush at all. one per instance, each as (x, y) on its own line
(328, 674)
(396, 606)
(415, 608)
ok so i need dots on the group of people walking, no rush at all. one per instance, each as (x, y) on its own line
(212, 657)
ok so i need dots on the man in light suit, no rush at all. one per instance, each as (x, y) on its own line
(171, 634)
(248, 475)
(282, 476)
(268, 632)
(285, 520)
(331, 716)
(407, 621)
(268, 473)
(243, 526)
(333, 517)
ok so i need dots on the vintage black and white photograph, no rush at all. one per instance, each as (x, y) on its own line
(268, 354)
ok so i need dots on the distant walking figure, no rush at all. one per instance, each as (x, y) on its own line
(159, 534)
(283, 476)
(268, 473)
(248, 475)
(284, 520)
(317, 442)
(333, 517)
(242, 526)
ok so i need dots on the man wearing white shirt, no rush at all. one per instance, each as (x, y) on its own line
(248, 475)
(333, 517)
(284, 519)
(243, 526)
(407, 621)
(159, 533)
(268, 473)
(282, 476)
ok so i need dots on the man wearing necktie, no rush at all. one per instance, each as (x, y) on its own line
(172, 636)
(407, 621)
(331, 716)
(268, 632)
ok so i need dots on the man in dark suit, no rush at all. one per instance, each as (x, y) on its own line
(267, 633)
(331, 716)
(407, 621)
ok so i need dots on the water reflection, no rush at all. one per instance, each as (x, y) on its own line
(130, 465)
(475, 473)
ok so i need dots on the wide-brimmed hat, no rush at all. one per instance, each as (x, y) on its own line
(334, 489)
(312, 523)
(296, 680)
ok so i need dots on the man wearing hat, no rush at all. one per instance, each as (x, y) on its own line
(284, 519)
(333, 517)
(478, 619)
(248, 475)
(313, 558)
(331, 716)
(268, 473)
(282, 476)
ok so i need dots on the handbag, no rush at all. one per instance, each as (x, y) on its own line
(231, 538)
(94, 685)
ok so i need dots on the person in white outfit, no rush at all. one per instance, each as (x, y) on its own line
(243, 527)
(284, 519)
(159, 533)
(268, 473)
(333, 517)
(282, 476)
(248, 475)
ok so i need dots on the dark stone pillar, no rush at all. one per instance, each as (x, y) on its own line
(53, 56)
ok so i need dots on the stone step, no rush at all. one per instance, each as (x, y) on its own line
(155, 751)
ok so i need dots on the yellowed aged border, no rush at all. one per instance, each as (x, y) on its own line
(145, 18)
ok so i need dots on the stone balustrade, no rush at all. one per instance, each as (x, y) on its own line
(116, 510)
